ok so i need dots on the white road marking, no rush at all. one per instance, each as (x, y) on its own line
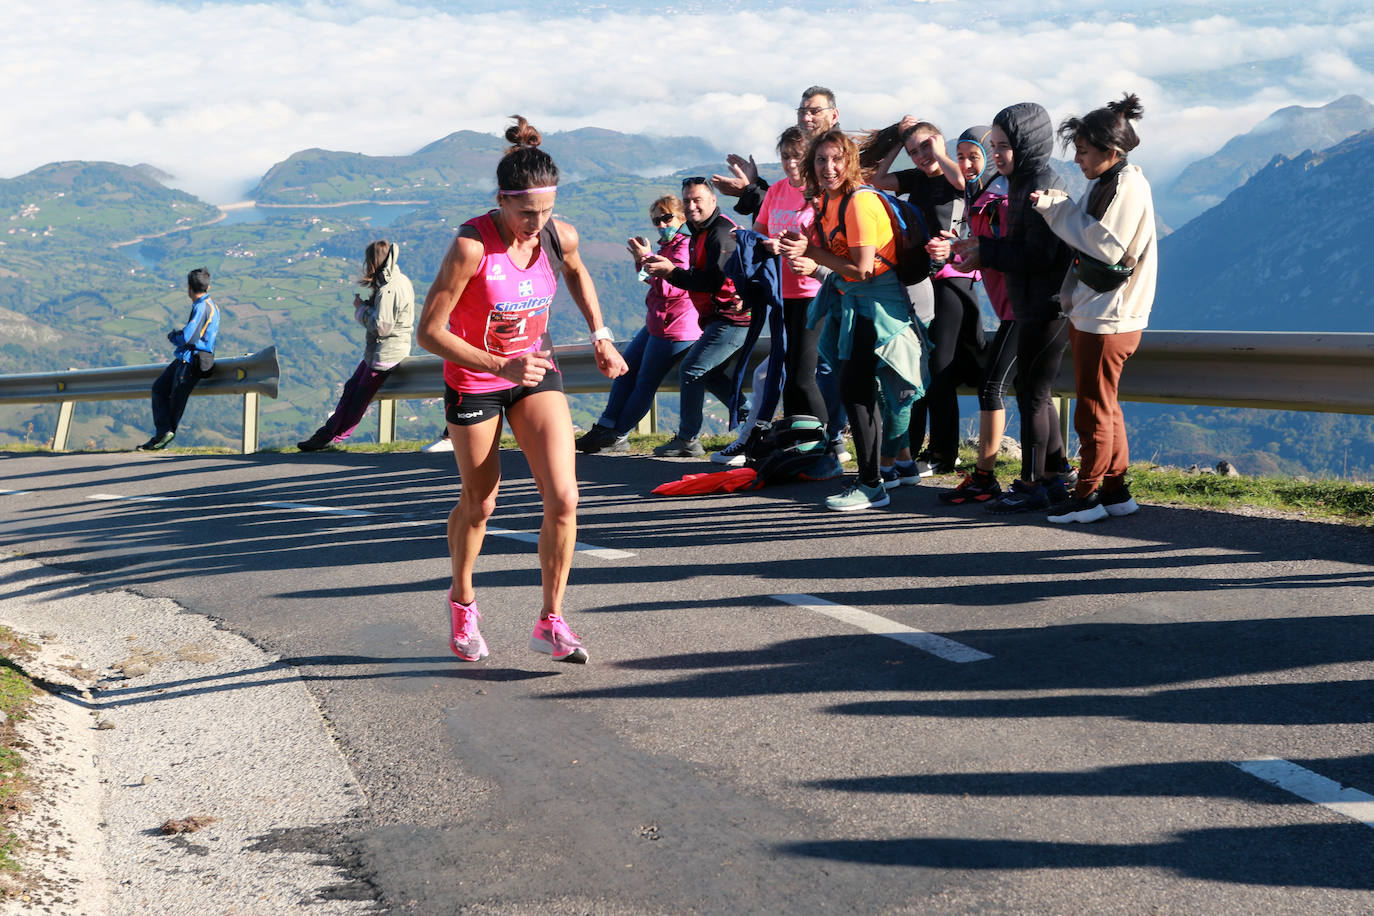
(14, 492)
(1317, 789)
(532, 537)
(938, 646)
(295, 507)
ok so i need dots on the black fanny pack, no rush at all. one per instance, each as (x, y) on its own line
(204, 361)
(1099, 275)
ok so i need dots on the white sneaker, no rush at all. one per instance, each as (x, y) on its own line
(442, 444)
(734, 454)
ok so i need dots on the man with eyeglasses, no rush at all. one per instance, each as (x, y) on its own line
(724, 315)
(815, 115)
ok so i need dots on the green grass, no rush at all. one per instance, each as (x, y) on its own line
(1332, 500)
(16, 693)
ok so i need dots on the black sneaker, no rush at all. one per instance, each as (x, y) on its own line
(595, 439)
(929, 464)
(158, 442)
(1079, 509)
(978, 487)
(1119, 502)
(1022, 497)
(314, 444)
(678, 447)
(1069, 474)
(1057, 491)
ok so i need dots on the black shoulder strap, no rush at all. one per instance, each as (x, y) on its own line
(552, 246)
(839, 219)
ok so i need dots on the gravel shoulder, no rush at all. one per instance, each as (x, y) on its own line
(153, 715)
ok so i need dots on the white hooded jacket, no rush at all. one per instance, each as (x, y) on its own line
(1126, 232)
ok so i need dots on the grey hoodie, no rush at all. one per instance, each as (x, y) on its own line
(389, 316)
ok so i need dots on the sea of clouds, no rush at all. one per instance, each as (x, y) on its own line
(215, 93)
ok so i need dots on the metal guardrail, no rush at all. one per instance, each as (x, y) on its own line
(251, 376)
(1276, 370)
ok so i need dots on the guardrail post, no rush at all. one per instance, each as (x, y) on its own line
(386, 420)
(1065, 421)
(649, 422)
(250, 422)
(64, 426)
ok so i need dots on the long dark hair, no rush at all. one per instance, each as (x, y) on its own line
(525, 165)
(374, 259)
(1107, 128)
(876, 144)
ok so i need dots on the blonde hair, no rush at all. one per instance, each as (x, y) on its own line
(669, 203)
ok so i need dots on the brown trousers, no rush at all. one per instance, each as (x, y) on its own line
(1097, 363)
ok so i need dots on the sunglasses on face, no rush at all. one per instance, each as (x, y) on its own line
(661, 219)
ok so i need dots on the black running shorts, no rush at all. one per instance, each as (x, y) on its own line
(470, 408)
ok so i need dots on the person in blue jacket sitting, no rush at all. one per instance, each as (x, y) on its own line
(194, 358)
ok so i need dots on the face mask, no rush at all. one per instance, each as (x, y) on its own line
(667, 233)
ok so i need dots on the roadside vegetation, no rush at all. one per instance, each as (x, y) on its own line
(16, 692)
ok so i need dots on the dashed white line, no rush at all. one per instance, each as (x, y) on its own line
(532, 537)
(295, 507)
(938, 646)
(1314, 787)
(14, 492)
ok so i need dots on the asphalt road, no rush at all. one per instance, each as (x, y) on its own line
(1076, 736)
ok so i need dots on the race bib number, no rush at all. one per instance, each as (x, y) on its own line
(512, 332)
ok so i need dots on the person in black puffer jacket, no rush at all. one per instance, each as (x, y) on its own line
(1033, 260)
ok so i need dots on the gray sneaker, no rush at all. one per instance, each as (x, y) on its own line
(678, 447)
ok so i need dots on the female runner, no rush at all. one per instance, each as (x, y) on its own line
(486, 315)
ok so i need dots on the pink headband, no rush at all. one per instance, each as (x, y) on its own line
(552, 187)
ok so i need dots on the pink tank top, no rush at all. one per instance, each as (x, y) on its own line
(503, 310)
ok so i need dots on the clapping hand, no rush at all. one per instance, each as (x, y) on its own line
(743, 173)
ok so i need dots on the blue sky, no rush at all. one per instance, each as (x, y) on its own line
(216, 92)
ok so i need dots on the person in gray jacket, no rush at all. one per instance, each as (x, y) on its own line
(389, 316)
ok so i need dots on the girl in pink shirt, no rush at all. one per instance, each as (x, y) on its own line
(786, 209)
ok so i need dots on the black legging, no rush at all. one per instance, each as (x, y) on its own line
(800, 393)
(1040, 350)
(858, 391)
(1000, 369)
(956, 355)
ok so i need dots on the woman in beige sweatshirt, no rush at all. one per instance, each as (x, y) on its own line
(1107, 295)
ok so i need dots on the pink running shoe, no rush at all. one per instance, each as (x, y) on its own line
(553, 637)
(466, 641)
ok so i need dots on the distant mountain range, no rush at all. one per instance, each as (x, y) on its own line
(1286, 249)
(1289, 250)
(466, 161)
(1287, 132)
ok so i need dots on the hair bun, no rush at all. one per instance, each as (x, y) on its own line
(522, 134)
(1129, 107)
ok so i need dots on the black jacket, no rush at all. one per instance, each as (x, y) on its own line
(1030, 256)
(713, 242)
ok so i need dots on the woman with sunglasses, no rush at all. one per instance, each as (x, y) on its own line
(486, 315)
(670, 329)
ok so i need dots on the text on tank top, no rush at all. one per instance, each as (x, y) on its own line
(504, 309)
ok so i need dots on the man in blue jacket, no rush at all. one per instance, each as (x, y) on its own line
(195, 357)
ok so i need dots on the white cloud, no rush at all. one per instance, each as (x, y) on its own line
(215, 93)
